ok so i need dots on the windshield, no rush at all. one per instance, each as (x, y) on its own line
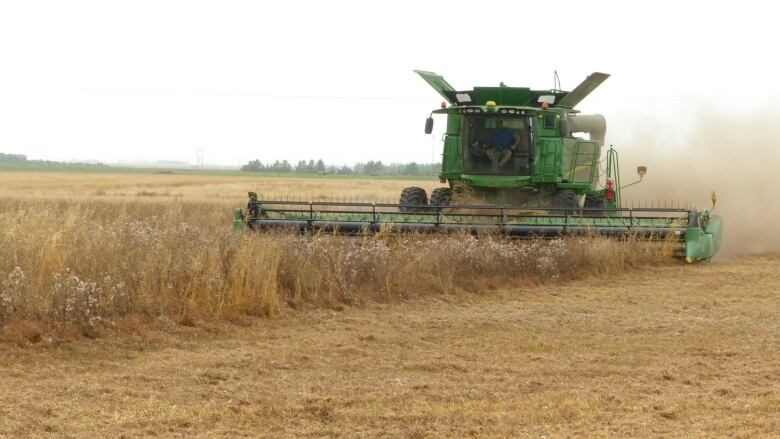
(498, 146)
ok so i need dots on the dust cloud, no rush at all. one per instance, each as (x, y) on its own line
(734, 153)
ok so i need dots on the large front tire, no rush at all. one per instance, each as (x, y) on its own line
(412, 197)
(595, 202)
(441, 196)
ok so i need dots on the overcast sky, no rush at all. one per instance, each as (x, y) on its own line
(151, 80)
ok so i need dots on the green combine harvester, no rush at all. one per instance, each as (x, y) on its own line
(519, 158)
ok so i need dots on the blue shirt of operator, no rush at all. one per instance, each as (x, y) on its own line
(502, 138)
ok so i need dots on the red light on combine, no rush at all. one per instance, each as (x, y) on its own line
(609, 194)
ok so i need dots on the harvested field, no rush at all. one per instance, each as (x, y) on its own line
(666, 351)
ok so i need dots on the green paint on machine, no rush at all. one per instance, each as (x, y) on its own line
(525, 152)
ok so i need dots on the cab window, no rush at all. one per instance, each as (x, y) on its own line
(497, 146)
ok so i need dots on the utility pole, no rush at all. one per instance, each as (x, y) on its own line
(199, 158)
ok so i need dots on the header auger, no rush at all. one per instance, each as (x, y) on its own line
(520, 153)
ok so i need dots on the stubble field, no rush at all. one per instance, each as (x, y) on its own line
(137, 311)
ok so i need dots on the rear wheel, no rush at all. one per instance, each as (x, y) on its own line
(411, 197)
(441, 196)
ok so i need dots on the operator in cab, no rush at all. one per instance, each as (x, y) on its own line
(503, 143)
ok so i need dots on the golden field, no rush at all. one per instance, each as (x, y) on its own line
(89, 249)
(130, 307)
(226, 189)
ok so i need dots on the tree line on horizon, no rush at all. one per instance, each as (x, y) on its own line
(363, 168)
(21, 159)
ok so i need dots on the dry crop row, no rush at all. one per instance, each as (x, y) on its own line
(84, 263)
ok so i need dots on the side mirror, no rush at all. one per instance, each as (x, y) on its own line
(641, 170)
(429, 125)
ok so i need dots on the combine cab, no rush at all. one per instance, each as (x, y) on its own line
(522, 154)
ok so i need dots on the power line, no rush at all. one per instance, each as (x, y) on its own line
(252, 95)
(685, 98)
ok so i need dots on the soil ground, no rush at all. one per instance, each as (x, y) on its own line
(668, 351)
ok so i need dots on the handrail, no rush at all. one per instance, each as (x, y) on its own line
(499, 207)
